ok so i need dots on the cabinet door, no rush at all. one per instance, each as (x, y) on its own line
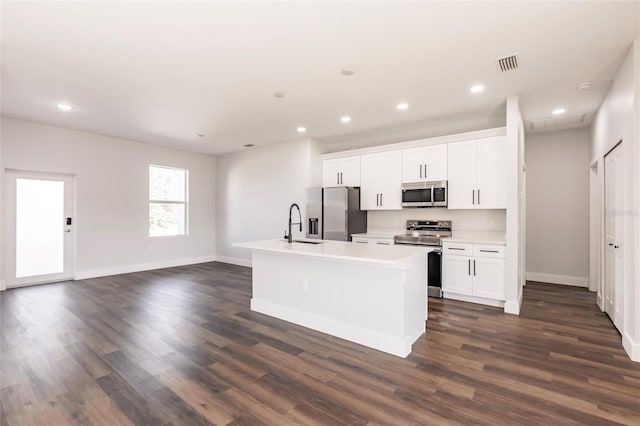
(462, 175)
(413, 165)
(390, 178)
(370, 182)
(456, 276)
(435, 162)
(488, 278)
(350, 169)
(492, 184)
(331, 172)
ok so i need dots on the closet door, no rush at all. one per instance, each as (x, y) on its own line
(614, 208)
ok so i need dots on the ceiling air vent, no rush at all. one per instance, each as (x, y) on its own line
(508, 63)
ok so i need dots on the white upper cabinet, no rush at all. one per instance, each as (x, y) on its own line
(492, 174)
(462, 175)
(341, 172)
(427, 163)
(381, 181)
(477, 174)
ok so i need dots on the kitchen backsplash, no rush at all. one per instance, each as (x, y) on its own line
(462, 220)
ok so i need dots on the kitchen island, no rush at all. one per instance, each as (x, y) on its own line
(368, 294)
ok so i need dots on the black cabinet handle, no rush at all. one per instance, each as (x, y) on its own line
(425, 171)
(473, 196)
(455, 248)
(420, 171)
(610, 244)
(474, 267)
(341, 179)
(381, 203)
(469, 267)
(478, 196)
(489, 251)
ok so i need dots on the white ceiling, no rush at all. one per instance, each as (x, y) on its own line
(163, 72)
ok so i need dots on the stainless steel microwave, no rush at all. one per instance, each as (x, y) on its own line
(424, 194)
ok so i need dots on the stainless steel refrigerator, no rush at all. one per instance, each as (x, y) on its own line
(334, 213)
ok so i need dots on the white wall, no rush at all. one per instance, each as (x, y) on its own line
(255, 189)
(516, 211)
(558, 206)
(111, 179)
(394, 221)
(619, 119)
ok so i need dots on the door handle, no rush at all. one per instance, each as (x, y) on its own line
(377, 199)
(420, 171)
(425, 171)
(473, 196)
(468, 266)
(381, 203)
(474, 267)
(337, 178)
(478, 196)
(341, 179)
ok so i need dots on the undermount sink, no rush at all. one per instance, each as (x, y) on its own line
(307, 242)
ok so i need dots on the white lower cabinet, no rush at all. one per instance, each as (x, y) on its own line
(475, 270)
(363, 239)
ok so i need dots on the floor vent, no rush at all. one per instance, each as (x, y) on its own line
(508, 63)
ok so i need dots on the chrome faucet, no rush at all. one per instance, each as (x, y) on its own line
(290, 237)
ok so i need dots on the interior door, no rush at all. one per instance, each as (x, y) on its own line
(40, 222)
(614, 208)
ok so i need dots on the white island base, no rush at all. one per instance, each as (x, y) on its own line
(371, 295)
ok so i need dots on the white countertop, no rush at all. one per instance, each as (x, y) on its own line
(338, 250)
(476, 237)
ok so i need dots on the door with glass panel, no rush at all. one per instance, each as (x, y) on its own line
(40, 228)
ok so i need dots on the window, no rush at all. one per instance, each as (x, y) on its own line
(168, 201)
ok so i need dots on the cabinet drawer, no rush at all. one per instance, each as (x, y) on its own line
(383, 241)
(457, 249)
(486, 250)
(361, 240)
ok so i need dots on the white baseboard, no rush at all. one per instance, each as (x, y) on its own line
(513, 307)
(632, 348)
(127, 269)
(383, 342)
(234, 261)
(558, 279)
(473, 299)
(3, 285)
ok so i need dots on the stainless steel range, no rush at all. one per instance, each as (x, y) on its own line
(429, 234)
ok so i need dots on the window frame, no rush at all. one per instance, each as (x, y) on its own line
(185, 203)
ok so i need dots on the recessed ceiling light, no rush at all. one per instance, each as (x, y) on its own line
(64, 107)
(584, 87)
(558, 111)
(402, 105)
(347, 72)
(345, 119)
(279, 94)
(478, 88)
(301, 129)
(200, 135)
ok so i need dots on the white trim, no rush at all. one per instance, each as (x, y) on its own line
(558, 279)
(234, 261)
(3, 285)
(126, 269)
(473, 299)
(512, 307)
(486, 133)
(632, 348)
(383, 342)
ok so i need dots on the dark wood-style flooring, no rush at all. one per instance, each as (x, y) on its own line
(180, 346)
